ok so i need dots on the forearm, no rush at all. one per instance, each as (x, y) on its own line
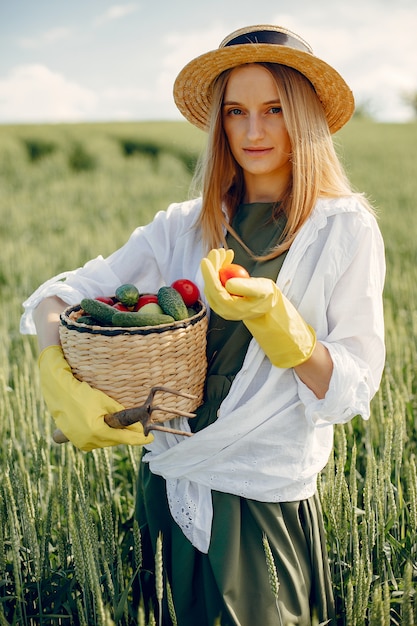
(46, 318)
(316, 372)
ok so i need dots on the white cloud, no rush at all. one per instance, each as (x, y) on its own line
(373, 49)
(125, 103)
(33, 93)
(116, 12)
(151, 97)
(179, 49)
(354, 42)
(182, 47)
(50, 36)
(383, 89)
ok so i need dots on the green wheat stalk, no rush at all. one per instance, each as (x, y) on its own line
(3, 547)
(349, 602)
(412, 490)
(171, 607)
(108, 532)
(407, 612)
(272, 570)
(13, 525)
(272, 574)
(137, 544)
(377, 614)
(159, 583)
(141, 616)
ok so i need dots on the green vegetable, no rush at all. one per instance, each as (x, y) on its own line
(151, 308)
(132, 318)
(99, 310)
(127, 294)
(172, 303)
(89, 320)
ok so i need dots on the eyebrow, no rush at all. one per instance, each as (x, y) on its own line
(236, 103)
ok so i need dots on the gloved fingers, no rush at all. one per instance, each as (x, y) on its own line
(218, 298)
(210, 275)
(250, 287)
(210, 266)
(131, 435)
(214, 290)
(219, 257)
(100, 435)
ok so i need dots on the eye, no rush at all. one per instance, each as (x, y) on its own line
(234, 111)
(276, 110)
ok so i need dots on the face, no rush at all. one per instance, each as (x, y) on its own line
(256, 132)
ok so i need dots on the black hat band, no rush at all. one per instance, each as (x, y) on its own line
(271, 37)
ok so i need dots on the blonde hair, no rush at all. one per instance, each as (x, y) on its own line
(316, 169)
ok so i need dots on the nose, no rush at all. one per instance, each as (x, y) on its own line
(255, 127)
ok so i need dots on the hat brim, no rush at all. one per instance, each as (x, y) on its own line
(192, 88)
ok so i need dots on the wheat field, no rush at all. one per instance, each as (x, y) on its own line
(70, 551)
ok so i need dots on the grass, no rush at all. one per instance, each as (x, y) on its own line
(69, 550)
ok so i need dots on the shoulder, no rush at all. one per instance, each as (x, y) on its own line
(177, 218)
(340, 228)
(350, 215)
(353, 207)
(188, 209)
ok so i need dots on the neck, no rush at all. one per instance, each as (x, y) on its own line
(265, 188)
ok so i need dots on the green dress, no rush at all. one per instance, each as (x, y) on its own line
(230, 585)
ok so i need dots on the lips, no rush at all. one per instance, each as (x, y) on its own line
(257, 151)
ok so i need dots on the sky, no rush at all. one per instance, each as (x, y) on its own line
(95, 60)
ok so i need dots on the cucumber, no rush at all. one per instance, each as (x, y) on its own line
(171, 303)
(101, 311)
(89, 320)
(127, 294)
(131, 318)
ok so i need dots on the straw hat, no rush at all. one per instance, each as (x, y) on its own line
(272, 44)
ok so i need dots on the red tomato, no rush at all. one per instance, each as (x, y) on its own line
(188, 291)
(147, 298)
(120, 307)
(233, 270)
(105, 299)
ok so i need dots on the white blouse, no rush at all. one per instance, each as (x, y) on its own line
(272, 435)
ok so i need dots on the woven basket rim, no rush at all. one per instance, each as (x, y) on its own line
(111, 331)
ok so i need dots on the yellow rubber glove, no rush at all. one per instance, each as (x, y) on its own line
(78, 409)
(221, 300)
(283, 335)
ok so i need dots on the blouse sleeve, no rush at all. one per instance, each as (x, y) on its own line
(355, 337)
(145, 260)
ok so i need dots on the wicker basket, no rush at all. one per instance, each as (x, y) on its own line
(125, 363)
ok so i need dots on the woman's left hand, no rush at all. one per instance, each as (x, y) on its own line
(270, 317)
(240, 298)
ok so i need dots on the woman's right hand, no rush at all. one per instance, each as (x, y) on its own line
(79, 410)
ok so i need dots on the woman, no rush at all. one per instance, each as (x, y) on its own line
(292, 350)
